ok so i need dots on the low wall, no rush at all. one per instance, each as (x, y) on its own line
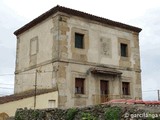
(108, 111)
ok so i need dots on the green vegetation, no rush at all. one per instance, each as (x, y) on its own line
(88, 116)
(28, 114)
(18, 116)
(35, 114)
(113, 113)
(71, 113)
(98, 112)
(153, 116)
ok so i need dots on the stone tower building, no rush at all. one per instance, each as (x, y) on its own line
(88, 59)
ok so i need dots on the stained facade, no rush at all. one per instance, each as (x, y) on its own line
(88, 59)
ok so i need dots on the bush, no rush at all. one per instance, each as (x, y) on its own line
(71, 113)
(113, 113)
(88, 116)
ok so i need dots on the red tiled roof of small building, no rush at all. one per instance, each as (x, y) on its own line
(139, 102)
(131, 101)
(26, 94)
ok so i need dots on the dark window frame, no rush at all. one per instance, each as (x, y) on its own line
(79, 40)
(126, 88)
(79, 85)
(124, 49)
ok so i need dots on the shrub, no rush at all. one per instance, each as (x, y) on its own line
(71, 113)
(88, 116)
(113, 113)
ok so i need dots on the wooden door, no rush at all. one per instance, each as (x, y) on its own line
(104, 89)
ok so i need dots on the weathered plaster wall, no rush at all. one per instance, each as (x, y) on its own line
(45, 41)
(66, 85)
(45, 78)
(102, 41)
(101, 48)
(47, 51)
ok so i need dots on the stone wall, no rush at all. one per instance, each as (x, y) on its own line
(108, 111)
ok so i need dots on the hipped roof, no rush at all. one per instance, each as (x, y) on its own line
(74, 13)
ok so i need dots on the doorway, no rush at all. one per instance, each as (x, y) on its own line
(104, 89)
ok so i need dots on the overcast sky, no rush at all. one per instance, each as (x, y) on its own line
(141, 13)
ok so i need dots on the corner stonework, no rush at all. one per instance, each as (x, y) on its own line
(63, 42)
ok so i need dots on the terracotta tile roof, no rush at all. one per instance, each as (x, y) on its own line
(74, 13)
(131, 101)
(19, 96)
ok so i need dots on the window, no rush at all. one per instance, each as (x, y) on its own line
(79, 86)
(125, 88)
(51, 103)
(124, 50)
(79, 40)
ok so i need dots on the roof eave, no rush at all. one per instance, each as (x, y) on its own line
(75, 13)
